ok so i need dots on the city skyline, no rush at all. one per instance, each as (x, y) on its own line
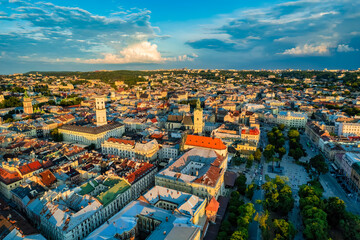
(81, 35)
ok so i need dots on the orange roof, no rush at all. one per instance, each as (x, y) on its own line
(139, 172)
(210, 178)
(30, 167)
(124, 141)
(213, 205)
(47, 177)
(143, 199)
(206, 142)
(156, 136)
(9, 177)
(254, 131)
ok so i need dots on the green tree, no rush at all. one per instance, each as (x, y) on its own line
(249, 193)
(232, 218)
(257, 155)
(240, 183)
(293, 133)
(335, 209)
(269, 152)
(240, 234)
(56, 135)
(225, 226)
(298, 153)
(316, 226)
(319, 164)
(11, 102)
(222, 236)
(278, 196)
(282, 152)
(350, 226)
(250, 161)
(283, 230)
(280, 142)
(281, 127)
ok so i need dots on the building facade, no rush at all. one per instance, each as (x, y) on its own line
(198, 118)
(100, 111)
(91, 135)
(198, 171)
(348, 129)
(27, 104)
(292, 119)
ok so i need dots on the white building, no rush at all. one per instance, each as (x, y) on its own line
(91, 135)
(119, 147)
(65, 215)
(140, 217)
(100, 111)
(292, 119)
(348, 129)
(347, 161)
(169, 151)
(147, 151)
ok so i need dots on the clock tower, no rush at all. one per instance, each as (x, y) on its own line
(198, 118)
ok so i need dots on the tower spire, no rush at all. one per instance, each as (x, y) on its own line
(198, 104)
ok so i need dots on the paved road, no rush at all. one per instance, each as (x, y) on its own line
(254, 230)
(331, 187)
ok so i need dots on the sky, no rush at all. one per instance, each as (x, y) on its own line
(88, 35)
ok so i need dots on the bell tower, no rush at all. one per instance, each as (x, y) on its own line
(100, 111)
(27, 104)
(198, 118)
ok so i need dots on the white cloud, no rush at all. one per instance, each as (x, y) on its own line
(345, 48)
(308, 50)
(143, 52)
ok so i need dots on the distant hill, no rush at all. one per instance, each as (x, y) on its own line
(129, 77)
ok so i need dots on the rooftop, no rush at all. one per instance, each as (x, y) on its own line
(126, 219)
(108, 196)
(205, 142)
(186, 203)
(206, 161)
(91, 130)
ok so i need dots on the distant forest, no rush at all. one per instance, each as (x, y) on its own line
(129, 77)
(132, 77)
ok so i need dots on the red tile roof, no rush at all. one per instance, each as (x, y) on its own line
(205, 142)
(47, 177)
(211, 177)
(157, 136)
(213, 205)
(30, 167)
(8, 177)
(253, 131)
(139, 172)
(124, 141)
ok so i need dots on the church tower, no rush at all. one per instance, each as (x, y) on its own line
(100, 111)
(27, 104)
(198, 118)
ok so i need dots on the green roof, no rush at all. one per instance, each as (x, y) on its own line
(111, 181)
(107, 197)
(88, 188)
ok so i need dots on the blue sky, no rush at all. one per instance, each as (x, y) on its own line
(140, 34)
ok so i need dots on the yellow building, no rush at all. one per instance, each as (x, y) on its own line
(27, 104)
(246, 146)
